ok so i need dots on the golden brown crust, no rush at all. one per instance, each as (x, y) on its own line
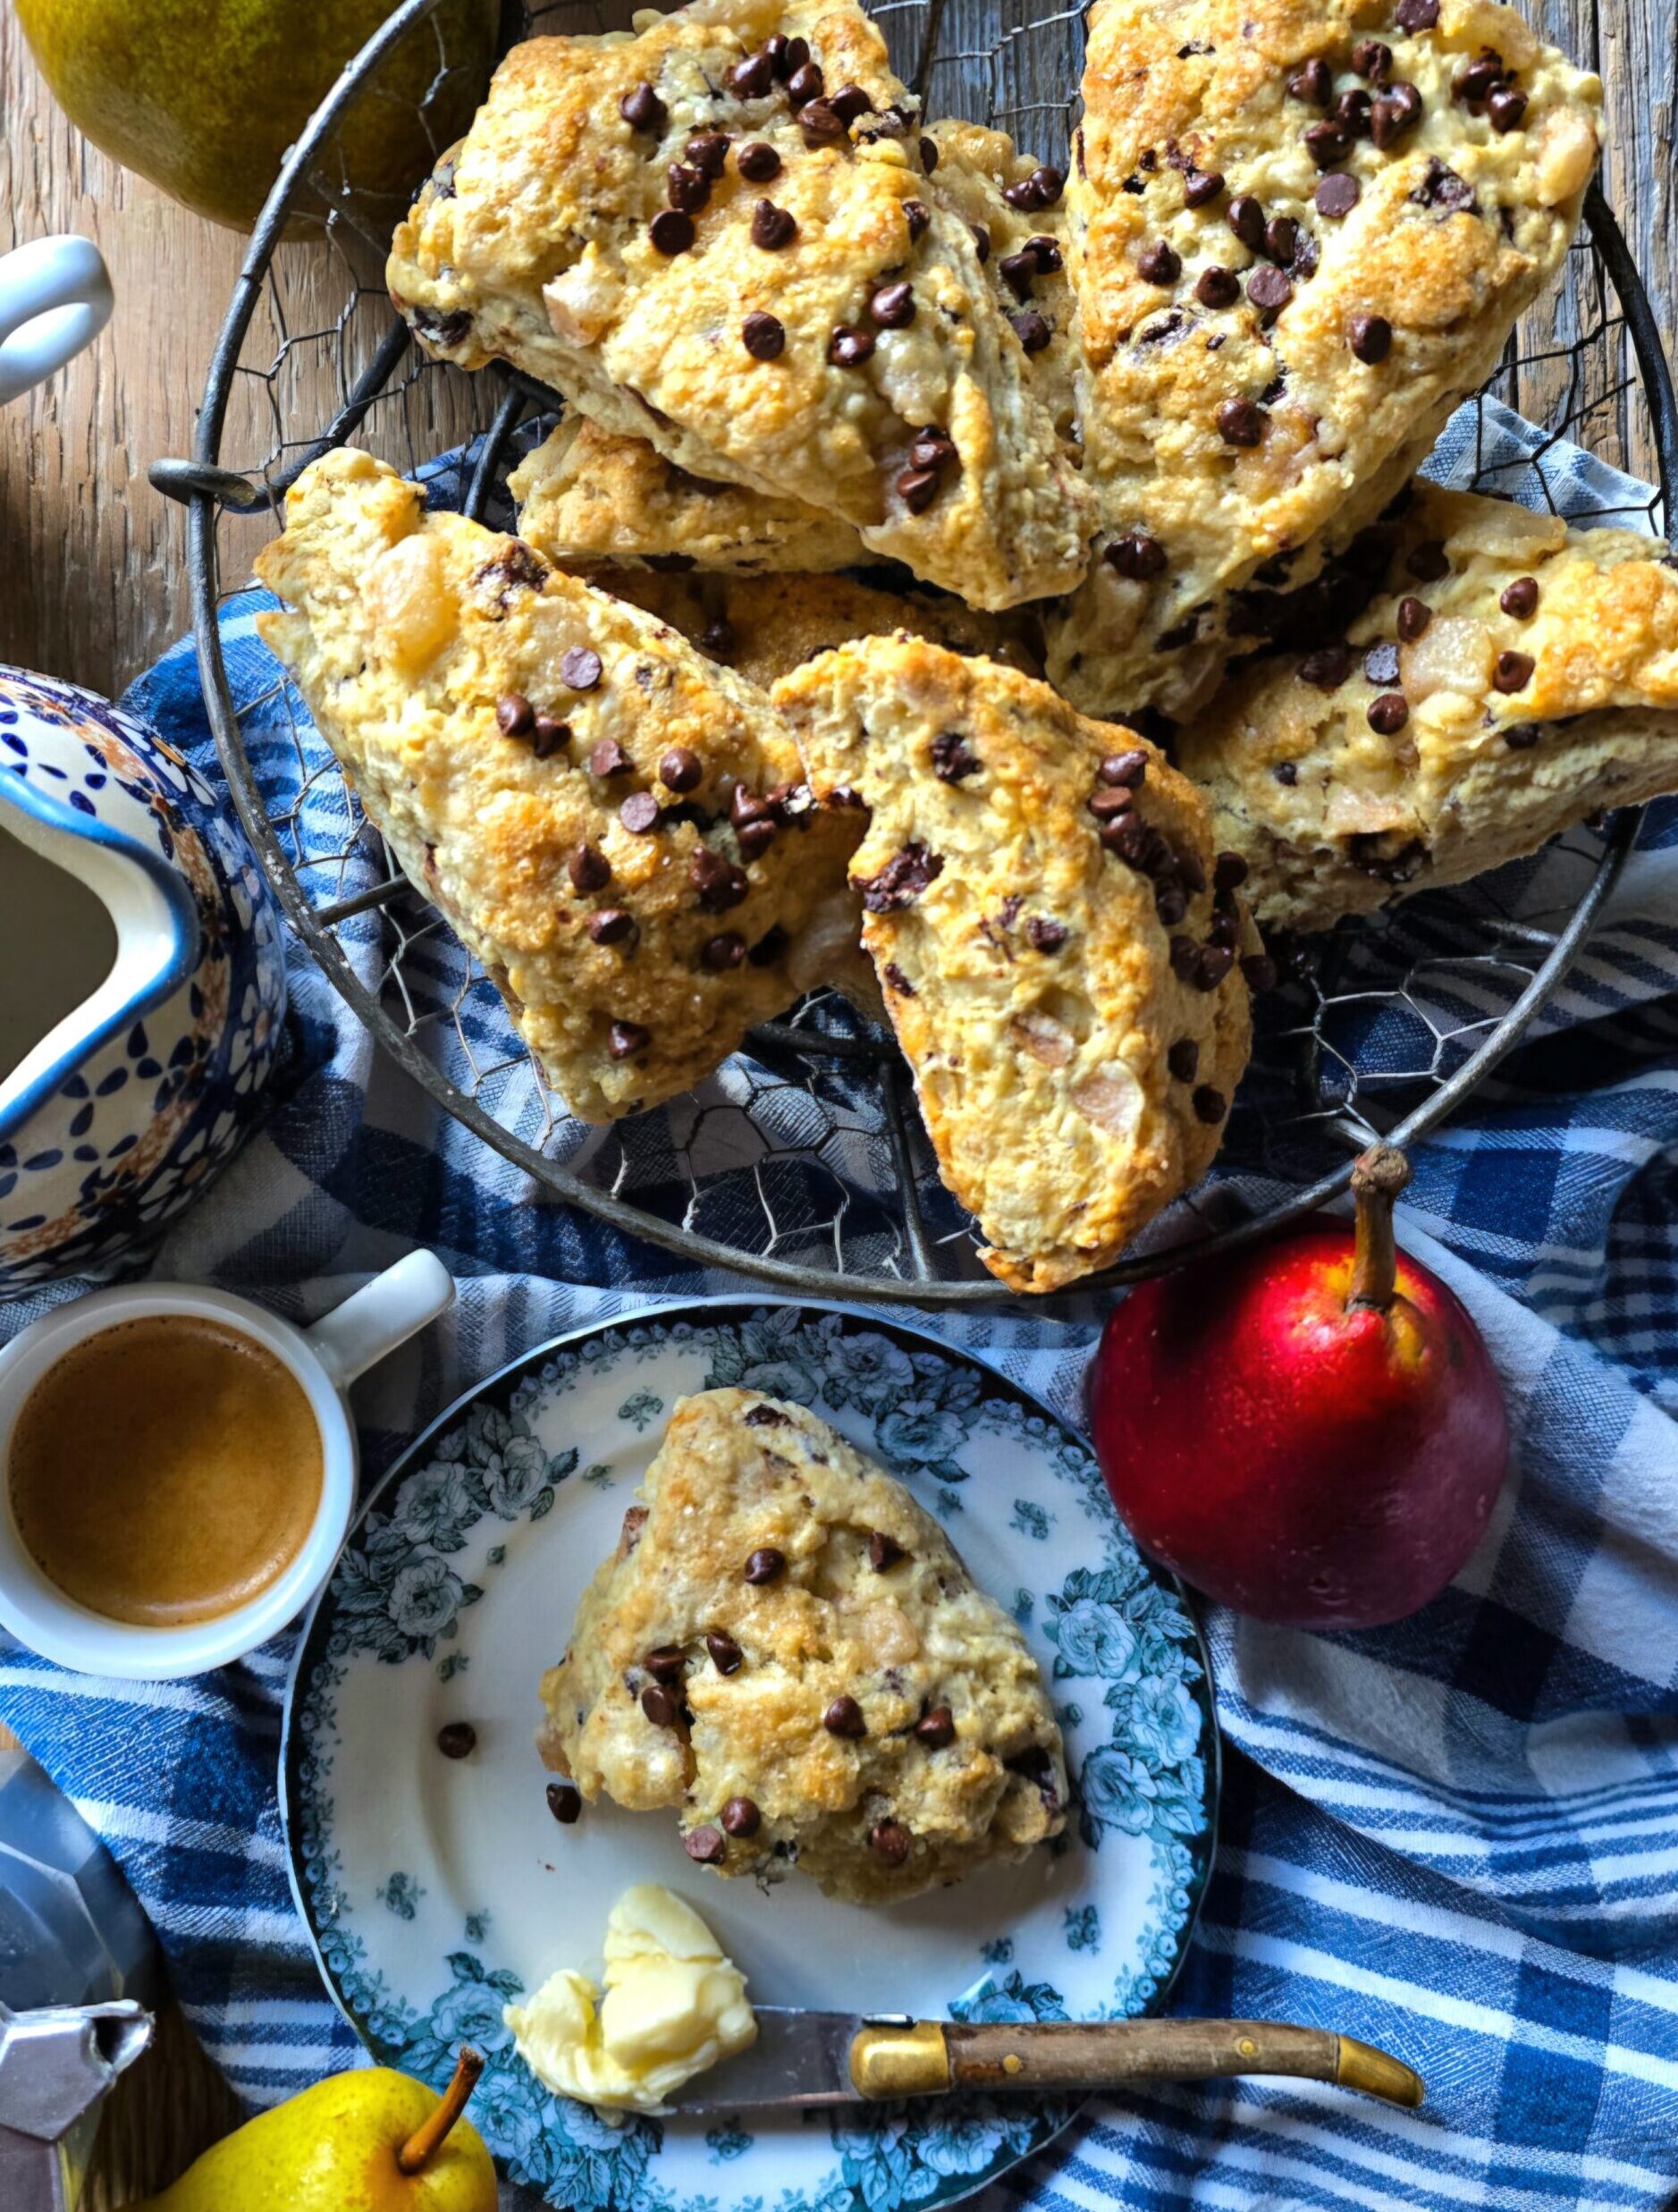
(1335, 817)
(409, 630)
(1457, 226)
(540, 251)
(897, 1626)
(1037, 982)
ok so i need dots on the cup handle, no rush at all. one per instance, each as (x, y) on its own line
(64, 279)
(381, 1315)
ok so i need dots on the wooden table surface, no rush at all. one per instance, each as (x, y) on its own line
(91, 559)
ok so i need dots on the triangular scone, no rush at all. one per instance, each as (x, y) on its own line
(820, 327)
(1299, 232)
(614, 825)
(812, 1679)
(1058, 946)
(1514, 677)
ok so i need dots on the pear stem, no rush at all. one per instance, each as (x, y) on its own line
(427, 2138)
(1376, 1179)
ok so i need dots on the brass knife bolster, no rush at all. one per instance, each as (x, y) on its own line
(900, 2058)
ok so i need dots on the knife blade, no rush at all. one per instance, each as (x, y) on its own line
(803, 2058)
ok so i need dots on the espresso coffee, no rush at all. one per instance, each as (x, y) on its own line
(167, 1470)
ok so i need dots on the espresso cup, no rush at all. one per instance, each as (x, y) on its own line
(55, 299)
(323, 1361)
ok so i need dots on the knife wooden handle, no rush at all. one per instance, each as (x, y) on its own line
(927, 2058)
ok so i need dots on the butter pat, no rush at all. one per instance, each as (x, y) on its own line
(672, 2007)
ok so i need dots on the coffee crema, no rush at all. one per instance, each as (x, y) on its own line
(165, 1471)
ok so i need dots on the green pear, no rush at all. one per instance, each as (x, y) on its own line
(204, 97)
(371, 2142)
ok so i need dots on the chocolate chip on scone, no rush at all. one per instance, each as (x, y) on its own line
(1048, 924)
(881, 1727)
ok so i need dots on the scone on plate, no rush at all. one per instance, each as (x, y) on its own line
(1058, 946)
(787, 1649)
(1300, 232)
(1514, 677)
(617, 827)
(748, 264)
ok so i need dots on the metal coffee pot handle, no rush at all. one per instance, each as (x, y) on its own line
(56, 2067)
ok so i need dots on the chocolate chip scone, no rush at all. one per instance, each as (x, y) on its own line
(1514, 677)
(1300, 232)
(787, 1649)
(1059, 949)
(721, 235)
(615, 826)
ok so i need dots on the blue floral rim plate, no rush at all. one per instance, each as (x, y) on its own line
(436, 1890)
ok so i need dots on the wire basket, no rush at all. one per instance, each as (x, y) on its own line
(804, 1159)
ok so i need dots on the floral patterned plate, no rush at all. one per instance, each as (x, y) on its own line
(437, 1889)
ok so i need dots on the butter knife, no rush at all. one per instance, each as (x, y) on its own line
(805, 2058)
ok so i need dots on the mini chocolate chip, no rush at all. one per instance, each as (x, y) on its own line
(1522, 738)
(671, 231)
(772, 227)
(685, 187)
(1337, 196)
(1213, 965)
(580, 667)
(1201, 185)
(757, 163)
(1241, 422)
(917, 488)
(1429, 563)
(1328, 668)
(708, 152)
(1313, 83)
(1127, 840)
(1171, 904)
(1389, 714)
(1107, 804)
(750, 78)
(1260, 971)
(1269, 291)
(765, 1566)
(588, 869)
(918, 215)
(980, 243)
(1183, 1060)
(1351, 111)
(1136, 555)
(1217, 287)
(1229, 872)
(612, 926)
(718, 882)
(640, 813)
(1245, 217)
(889, 1841)
(843, 1716)
(1521, 598)
(659, 1705)
(740, 1817)
(624, 1040)
(1372, 61)
(1370, 338)
(883, 1551)
(892, 306)
(457, 1739)
(565, 1802)
(1044, 251)
(786, 55)
(1020, 272)
(1031, 330)
(820, 123)
(704, 1846)
(1209, 1105)
(1394, 114)
(928, 150)
(717, 638)
(848, 103)
(1513, 671)
(667, 1663)
(1281, 238)
(1414, 618)
(1128, 769)
(763, 336)
(898, 981)
(682, 769)
(953, 758)
(1414, 15)
(607, 758)
(1184, 956)
(936, 1729)
(755, 838)
(932, 448)
(643, 110)
(725, 1653)
(1287, 773)
(514, 714)
(1477, 80)
(1160, 264)
(1043, 935)
(720, 954)
(1224, 927)
(849, 349)
(549, 736)
(805, 83)
(1327, 143)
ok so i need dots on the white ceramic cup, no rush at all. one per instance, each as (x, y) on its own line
(55, 299)
(325, 1360)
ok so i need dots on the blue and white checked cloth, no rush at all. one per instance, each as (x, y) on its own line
(1457, 1837)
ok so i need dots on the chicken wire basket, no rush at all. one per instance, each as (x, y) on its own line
(803, 1161)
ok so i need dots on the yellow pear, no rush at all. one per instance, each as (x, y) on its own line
(204, 97)
(371, 2142)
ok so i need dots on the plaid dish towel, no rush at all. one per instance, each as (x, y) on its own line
(1457, 1837)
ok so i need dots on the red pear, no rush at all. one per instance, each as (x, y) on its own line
(1310, 1432)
